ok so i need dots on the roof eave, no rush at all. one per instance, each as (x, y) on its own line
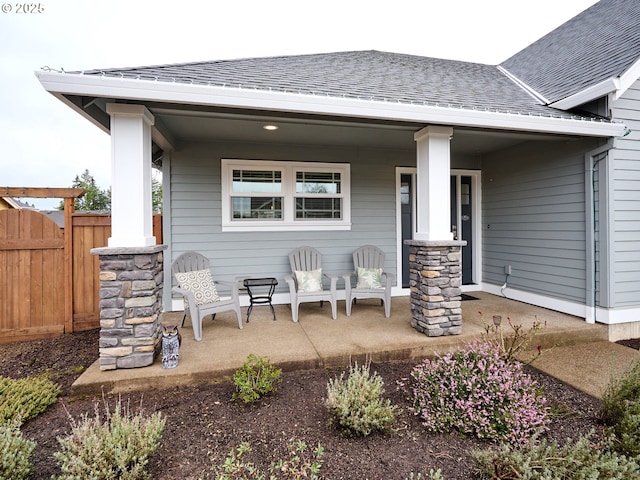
(628, 78)
(615, 86)
(61, 84)
(12, 202)
(587, 95)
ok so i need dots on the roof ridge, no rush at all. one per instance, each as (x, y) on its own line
(271, 57)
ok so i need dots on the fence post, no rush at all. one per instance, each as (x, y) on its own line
(69, 205)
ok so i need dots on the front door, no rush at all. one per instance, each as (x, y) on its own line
(407, 221)
(465, 198)
(462, 221)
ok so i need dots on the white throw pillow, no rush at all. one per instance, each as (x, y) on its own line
(369, 278)
(309, 280)
(201, 284)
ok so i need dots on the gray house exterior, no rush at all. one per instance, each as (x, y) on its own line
(535, 163)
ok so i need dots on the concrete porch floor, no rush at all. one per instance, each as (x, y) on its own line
(581, 354)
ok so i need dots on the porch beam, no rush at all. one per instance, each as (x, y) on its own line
(433, 218)
(131, 206)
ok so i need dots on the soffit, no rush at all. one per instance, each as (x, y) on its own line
(186, 127)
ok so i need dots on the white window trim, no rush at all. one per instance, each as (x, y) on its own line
(288, 222)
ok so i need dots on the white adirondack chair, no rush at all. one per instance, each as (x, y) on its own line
(200, 294)
(308, 259)
(369, 257)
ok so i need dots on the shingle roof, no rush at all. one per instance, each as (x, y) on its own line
(600, 43)
(358, 74)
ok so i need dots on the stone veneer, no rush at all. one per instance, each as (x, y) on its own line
(435, 280)
(131, 280)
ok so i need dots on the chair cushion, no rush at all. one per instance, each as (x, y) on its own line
(309, 280)
(201, 284)
(369, 278)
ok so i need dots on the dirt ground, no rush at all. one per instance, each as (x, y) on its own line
(204, 423)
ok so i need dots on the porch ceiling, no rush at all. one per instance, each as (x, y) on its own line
(198, 126)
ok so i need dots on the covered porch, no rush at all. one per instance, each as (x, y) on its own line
(317, 341)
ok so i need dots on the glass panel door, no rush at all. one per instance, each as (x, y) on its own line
(406, 211)
(462, 221)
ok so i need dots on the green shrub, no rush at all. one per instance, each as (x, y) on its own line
(25, 398)
(627, 431)
(256, 378)
(356, 402)
(480, 392)
(621, 411)
(300, 464)
(15, 452)
(619, 392)
(548, 461)
(117, 447)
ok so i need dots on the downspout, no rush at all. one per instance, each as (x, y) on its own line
(591, 161)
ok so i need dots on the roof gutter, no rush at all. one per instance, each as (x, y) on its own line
(61, 84)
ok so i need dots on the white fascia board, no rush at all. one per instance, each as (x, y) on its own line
(602, 89)
(180, 93)
(627, 79)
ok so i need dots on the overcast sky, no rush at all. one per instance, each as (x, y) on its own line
(46, 144)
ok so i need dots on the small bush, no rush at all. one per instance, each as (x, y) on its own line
(115, 448)
(356, 402)
(627, 431)
(548, 461)
(477, 391)
(25, 398)
(256, 378)
(300, 464)
(15, 452)
(619, 392)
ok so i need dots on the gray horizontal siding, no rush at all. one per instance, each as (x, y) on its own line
(626, 195)
(196, 217)
(534, 218)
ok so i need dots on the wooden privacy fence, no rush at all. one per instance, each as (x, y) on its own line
(92, 231)
(49, 281)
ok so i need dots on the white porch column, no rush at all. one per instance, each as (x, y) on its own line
(433, 216)
(131, 205)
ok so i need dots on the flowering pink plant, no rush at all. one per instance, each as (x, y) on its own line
(477, 391)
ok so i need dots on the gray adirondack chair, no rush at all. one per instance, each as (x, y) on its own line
(368, 256)
(191, 262)
(308, 259)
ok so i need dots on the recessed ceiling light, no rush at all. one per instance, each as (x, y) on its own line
(270, 127)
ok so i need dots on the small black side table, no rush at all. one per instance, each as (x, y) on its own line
(263, 298)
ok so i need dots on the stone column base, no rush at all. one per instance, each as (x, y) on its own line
(435, 280)
(131, 280)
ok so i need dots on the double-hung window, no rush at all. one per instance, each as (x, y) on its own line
(268, 195)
